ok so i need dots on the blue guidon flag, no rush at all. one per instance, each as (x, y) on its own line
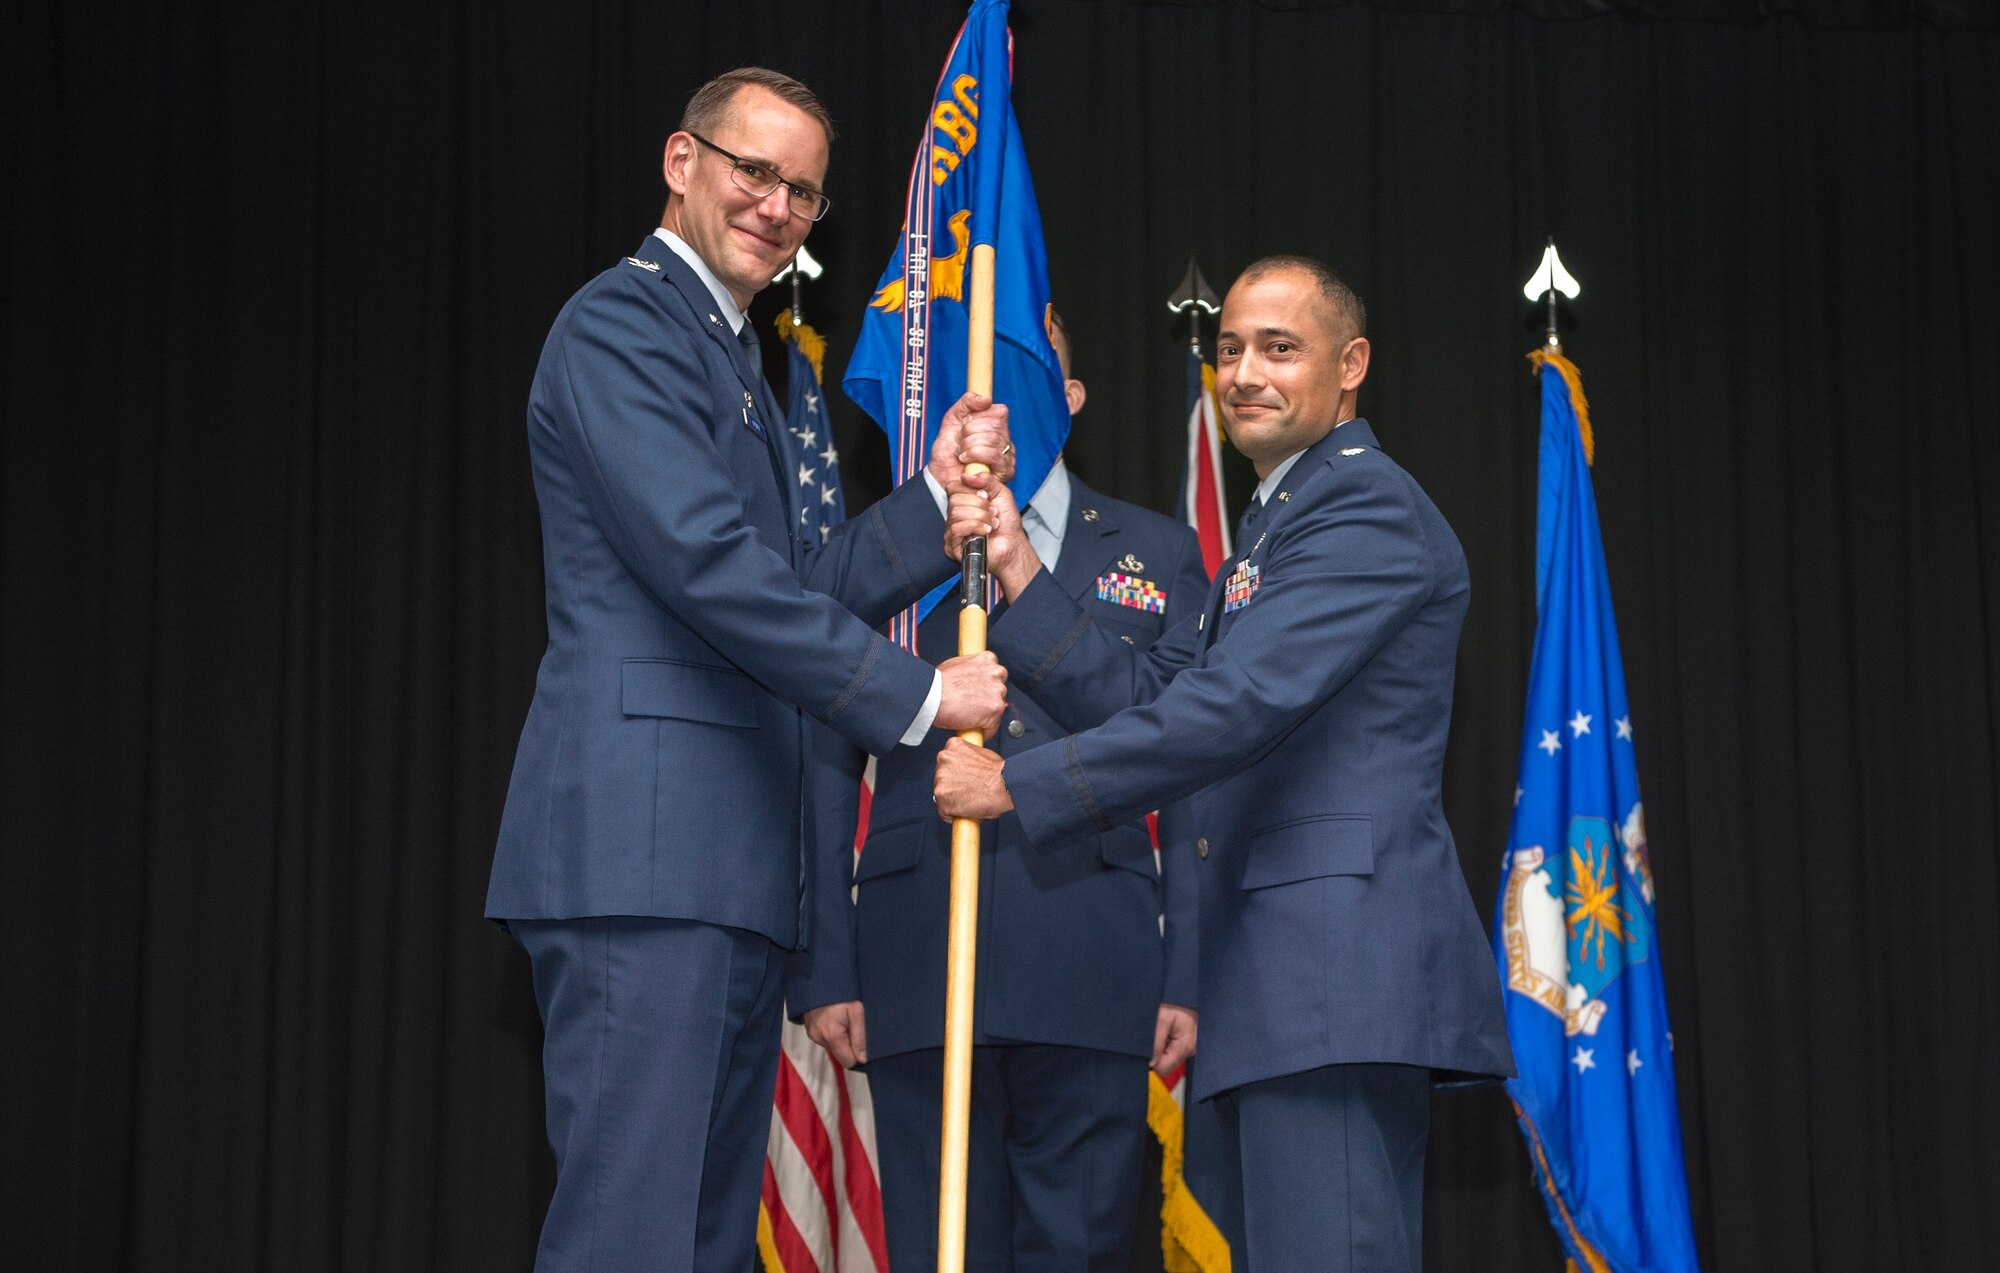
(969, 185)
(1574, 933)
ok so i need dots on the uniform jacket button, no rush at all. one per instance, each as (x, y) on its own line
(1015, 728)
(1201, 847)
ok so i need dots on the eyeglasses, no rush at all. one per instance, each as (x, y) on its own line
(753, 178)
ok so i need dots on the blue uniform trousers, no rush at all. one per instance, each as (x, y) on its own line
(660, 1058)
(1331, 1168)
(1056, 1146)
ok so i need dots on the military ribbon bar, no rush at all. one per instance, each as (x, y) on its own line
(1127, 590)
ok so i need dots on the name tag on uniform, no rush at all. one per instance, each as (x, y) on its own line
(1242, 586)
(1129, 590)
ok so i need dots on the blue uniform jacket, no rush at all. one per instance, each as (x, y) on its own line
(1310, 711)
(664, 766)
(1070, 943)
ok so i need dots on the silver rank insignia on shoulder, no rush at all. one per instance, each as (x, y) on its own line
(1131, 563)
(651, 267)
(1090, 514)
(1354, 450)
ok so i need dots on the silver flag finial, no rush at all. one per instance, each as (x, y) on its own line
(1194, 294)
(1551, 276)
(1194, 297)
(803, 263)
(801, 267)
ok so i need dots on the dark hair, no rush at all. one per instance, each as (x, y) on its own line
(1065, 352)
(1347, 307)
(715, 102)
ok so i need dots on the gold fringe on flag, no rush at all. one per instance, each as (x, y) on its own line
(1574, 379)
(1189, 1240)
(1596, 1262)
(811, 343)
(767, 1239)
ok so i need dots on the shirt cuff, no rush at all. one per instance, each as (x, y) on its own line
(928, 712)
(937, 492)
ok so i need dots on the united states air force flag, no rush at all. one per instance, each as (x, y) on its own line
(968, 186)
(1586, 1006)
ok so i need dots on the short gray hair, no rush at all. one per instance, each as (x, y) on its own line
(714, 103)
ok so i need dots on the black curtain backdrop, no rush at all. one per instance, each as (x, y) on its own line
(276, 281)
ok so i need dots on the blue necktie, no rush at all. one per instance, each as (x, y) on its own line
(1248, 524)
(753, 363)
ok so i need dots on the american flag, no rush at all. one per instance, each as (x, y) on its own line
(821, 1210)
(1201, 484)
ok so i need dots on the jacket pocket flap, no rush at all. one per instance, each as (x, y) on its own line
(1336, 844)
(688, 691)
(891, 849)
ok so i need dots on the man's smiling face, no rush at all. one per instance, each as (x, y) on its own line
(1283, 367)
(745, 240)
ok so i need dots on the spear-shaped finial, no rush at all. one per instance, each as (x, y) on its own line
(804, 266)
(1549, 278)
(1194, 297)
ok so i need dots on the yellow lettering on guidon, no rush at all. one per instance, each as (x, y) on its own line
(958, 121)
(948, 119)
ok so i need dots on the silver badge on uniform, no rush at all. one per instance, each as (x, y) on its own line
(1131, 563)
(649, 266)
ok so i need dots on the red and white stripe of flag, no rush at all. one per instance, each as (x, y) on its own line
(1203, 497)
(822, 1206)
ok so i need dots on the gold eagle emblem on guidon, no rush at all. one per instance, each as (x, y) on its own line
(947, 272)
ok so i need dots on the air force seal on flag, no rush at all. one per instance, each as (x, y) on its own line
(1571, 925)
(1129, 590)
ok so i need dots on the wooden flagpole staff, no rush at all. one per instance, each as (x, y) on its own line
(962, 941)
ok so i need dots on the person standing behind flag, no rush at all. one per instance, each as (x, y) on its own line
(1343, 967)
(650, 857)
(1078, 989)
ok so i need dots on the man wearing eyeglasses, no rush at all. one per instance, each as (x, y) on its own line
(650, 857)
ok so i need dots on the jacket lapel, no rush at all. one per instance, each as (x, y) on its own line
(757, 397)
(1354, 433)
(1087, 541)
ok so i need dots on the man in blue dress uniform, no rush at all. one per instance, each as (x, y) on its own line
(1077, 988)
(1343, 967)
(650, 856)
